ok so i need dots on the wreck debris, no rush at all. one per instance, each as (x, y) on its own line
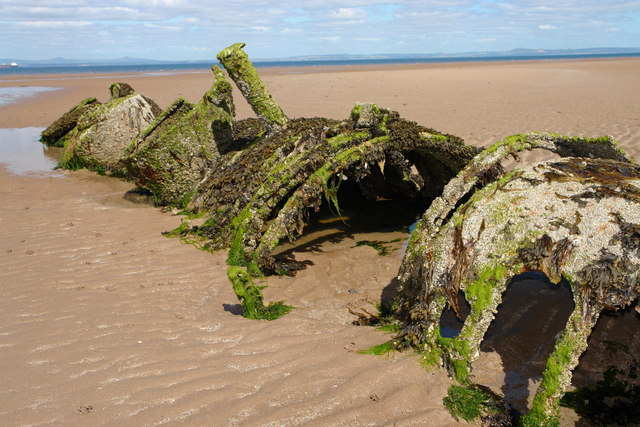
(304, 165)
(245, 76)
(568, 219)
(170, 157)
(101, 132)
(54, 135)
(256, 181)
(263, 193)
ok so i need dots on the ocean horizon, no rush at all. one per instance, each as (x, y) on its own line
(195, 66)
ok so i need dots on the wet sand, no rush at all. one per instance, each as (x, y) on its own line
(103, 321)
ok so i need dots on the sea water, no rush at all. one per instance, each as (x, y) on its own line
(9, 95)
(22, 153)
(204, 66)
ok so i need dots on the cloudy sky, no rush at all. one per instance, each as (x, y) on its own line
(198, 29)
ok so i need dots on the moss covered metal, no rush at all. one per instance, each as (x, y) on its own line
(55, 134)
(264, 193)
(245, 76)
(571, 218)
(171, 156)
(95, 135)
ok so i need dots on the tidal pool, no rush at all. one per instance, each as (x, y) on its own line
(9, 95)
(22, 153)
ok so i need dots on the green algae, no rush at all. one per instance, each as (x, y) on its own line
(242, 72)
(383, 247)
(250, 295)
(57, 134)
(480, 292)
(380, 349)
(465, 402)
(473, 401)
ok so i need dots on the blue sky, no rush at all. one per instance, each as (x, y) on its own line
(196, 29)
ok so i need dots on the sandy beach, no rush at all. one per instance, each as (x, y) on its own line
(104, 321)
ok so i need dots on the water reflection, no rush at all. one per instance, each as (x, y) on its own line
(21, 152)
(9, 95)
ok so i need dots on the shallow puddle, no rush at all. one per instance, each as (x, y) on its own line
(22, 153)
(9, 95)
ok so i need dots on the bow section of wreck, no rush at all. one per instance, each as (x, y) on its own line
(255, 181)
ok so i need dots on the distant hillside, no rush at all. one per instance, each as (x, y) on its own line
(519, 52)
(68, 62)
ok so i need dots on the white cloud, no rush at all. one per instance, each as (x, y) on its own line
(157, 3)
(318, 26)
(164, 27)
(55, 24)
(348, 13)
(290, 30)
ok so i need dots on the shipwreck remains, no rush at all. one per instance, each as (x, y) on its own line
(576, 218)
(255, 181)
(95, 135)
(170, 157)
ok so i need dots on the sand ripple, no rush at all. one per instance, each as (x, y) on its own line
(106, 322)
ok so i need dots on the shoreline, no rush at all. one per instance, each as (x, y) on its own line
(298, 69)
(481, 102)
(328, 64)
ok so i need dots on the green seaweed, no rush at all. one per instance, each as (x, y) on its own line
(250, 296)
(237, 255)
(480, 292)
(380, 349)
(241, 71)
(381, 246)
(188, 234)
(465, 402)
(458, 352)
(474, 401)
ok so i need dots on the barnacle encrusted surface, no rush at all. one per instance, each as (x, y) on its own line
(170, 157)
(576, 218)
(95, 135)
